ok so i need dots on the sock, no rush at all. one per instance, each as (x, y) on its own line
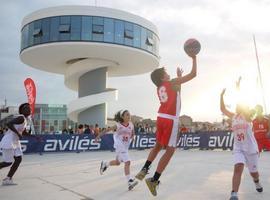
(156, 176)
(128, 177)
(234, 194)
(256, 181)
(147, 164)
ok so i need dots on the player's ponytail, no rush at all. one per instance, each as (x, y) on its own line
(118, 117)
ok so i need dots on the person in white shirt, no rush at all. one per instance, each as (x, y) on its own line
(10, 145)
(245, 149)
(122, 138)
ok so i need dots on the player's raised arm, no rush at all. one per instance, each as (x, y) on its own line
(193, 73)
(223, 107)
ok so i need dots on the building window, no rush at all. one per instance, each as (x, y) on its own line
(98, 29)
(119, 32)
(149, 41)
(37, 32)
(64, 28)
(128, 34)
(54, 33)
(75, 31)
(108, 30)
(86, 28)
(137, 36)
(45, 30)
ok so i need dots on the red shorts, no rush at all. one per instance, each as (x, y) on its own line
(167, 132)
(263, 144)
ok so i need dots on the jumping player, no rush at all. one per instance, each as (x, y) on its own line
(167, 121)
(245, 149)
(10, 144)
(122, 139)
(261, 129)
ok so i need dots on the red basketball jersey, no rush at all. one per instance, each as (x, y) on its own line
(260, 128)
(170, 102)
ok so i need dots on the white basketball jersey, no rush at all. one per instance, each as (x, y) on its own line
(11, 139)
(244, 140)
(122, 137)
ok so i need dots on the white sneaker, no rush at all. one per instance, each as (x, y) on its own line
(132, 183)
(8, 181)
(259, 187)
(234, 196)
(103, 167)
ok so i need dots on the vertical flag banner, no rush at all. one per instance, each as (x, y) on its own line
(31, 93)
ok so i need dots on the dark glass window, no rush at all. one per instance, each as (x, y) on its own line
(75, 33)
(86, 28)
(45, 30)
(128, 34)
(119, 31)
(149, 41)
(128, 26)
(64, 28)
(98, 28)
(37, 33)
(143, 38)
(98, 20)
(137, 36)
(24, 40)
(108, 30)
(155, 46)
(65, 20)
(54, 32)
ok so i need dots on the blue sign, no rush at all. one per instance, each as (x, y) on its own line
(63, 143)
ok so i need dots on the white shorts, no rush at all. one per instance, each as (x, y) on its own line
(9, 154)
(122, 157)
(250, 160)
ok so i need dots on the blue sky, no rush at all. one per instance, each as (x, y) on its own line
(223, 27)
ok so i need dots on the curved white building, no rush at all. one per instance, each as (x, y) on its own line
(87, 44)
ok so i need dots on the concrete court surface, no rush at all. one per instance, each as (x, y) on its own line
(192, 175)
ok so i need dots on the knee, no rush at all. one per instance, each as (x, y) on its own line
(127, 163)
(170, 150)
(238, 169)
(158, 147)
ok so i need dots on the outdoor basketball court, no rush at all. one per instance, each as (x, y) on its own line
(194, 175)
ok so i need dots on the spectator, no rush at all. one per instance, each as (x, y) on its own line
(96, 130)
(183, 129)
(80, 129)
(65, 131)
(87, 129)
(92, 129)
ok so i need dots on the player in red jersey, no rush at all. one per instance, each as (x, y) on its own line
(261, 129)
(167, 121)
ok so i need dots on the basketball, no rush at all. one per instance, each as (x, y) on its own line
(192, 47)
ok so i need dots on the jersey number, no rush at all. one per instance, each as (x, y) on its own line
(163, 95)
(240, 137)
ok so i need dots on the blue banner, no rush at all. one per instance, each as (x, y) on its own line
(65, 143)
